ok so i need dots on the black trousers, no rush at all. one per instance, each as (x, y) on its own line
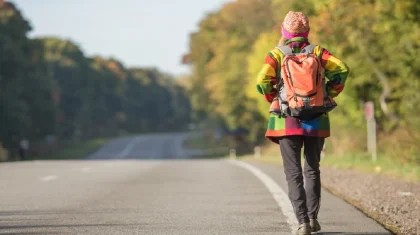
(306, 197)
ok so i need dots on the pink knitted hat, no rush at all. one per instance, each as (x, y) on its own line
(295, 24)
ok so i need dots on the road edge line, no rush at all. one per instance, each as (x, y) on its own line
(128, 148)
(276, 191)
(48, 178)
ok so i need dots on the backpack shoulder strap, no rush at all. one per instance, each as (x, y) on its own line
(310, 48)
(285, 50)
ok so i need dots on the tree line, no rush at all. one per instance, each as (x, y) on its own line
(379, 40)
(49, 87)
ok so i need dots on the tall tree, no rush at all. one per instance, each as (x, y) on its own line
(218, 55)
(26, 105)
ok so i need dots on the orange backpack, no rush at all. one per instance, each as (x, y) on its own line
(301, 86)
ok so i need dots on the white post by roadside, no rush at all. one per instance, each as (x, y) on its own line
(257, 152)
(232, 153)
(371, 129)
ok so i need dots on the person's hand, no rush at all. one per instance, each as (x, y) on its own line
(330, 89)
(270, 96)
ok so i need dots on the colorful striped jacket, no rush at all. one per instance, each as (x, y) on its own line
(336, 72)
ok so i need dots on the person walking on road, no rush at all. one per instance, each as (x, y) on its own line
(293, 81)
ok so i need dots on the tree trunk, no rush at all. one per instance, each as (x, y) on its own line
(386, 90)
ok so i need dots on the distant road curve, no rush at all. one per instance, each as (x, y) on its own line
(148, 146)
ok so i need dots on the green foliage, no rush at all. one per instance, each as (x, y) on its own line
(69, 68)
(49, 87)
(218, 54)
(23, 112)
(165, 102)
(379, 40)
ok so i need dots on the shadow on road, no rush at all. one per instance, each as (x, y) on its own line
(60, 212)
(64, 226)
(340, 233)
(25, 221)
(29, 233)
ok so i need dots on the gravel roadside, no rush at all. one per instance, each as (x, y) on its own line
(392, 202)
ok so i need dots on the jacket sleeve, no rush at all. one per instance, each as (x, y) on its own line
(266, 79)
(336, 72)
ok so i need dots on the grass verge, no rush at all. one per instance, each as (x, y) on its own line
(384, 165)
(200, 142)
(360, 162)
(76, 150)
(205, 147)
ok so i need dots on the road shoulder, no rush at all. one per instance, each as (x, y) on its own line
(392, 202)
(336, 215)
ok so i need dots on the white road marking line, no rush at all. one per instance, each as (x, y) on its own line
(124, 153)
(48, 178)
(405, 194)
(276, 191)
(86, 169)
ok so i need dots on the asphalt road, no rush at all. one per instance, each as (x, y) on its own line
(146, 185)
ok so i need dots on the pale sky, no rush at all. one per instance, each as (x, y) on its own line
(146, 33)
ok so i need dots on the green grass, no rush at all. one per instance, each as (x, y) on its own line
(384, 165)
(195, 143)
(211, 148)
(76, 150)
(360, 162)
(202, 141)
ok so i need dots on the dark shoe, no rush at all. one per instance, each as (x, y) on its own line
(303, 229)
(315, 227)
